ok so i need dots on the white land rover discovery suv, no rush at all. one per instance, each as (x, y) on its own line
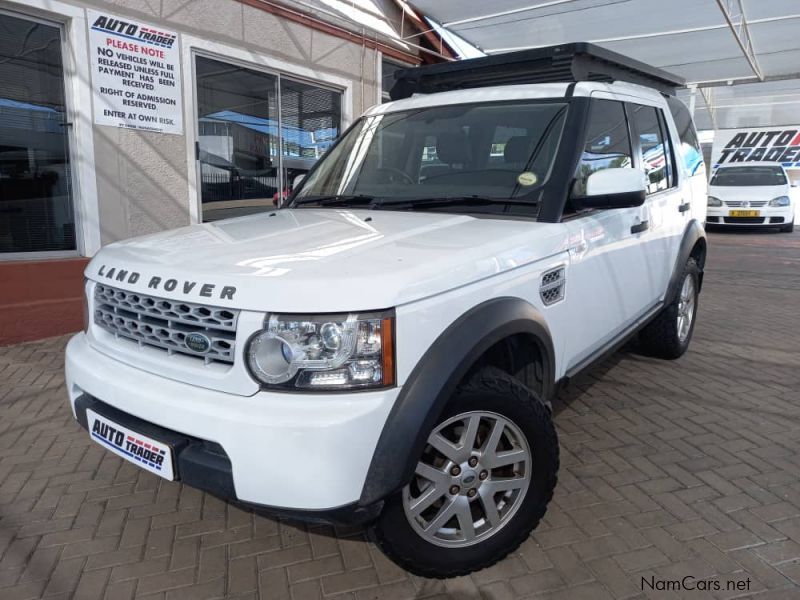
(384, 349)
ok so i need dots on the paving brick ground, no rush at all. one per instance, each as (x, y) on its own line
(669, 469)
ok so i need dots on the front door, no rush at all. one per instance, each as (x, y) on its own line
(606, 282)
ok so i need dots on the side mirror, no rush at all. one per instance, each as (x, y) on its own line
(297, 181)
(613, 188)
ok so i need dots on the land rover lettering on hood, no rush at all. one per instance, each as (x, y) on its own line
(206, 290)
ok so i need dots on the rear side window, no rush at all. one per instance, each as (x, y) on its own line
(608, 142)
(647, 126)
(669, 154)
(690, 150)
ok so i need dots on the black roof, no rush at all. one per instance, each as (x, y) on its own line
(579, 61)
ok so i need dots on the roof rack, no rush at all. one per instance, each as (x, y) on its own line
(579, 61)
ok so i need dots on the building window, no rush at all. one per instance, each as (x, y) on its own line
(237, 112)
(388, 69)
(246, 136)
(36, 207)
(311, 120)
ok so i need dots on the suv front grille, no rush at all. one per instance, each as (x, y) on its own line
(165, 324)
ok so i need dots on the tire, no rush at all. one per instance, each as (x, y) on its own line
(661, 337)
(498, 402)
(787, 228)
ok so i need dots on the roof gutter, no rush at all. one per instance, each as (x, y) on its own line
(425, 30)
(379, 42)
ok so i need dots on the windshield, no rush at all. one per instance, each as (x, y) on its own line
(495, 151)
(744, 176)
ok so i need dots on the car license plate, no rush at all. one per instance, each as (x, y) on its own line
(745, 213)
(143, 451)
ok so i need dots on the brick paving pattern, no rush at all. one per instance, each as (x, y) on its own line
(668, 469)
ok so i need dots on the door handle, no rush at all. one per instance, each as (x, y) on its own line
(640, 227)
(684, 207)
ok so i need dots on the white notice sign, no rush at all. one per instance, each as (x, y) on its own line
(136, 74)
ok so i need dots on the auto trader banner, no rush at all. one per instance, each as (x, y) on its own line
(757, 145)
(136, 74)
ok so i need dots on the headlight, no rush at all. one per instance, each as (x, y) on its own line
(780, 201)
(712, 201)
(336, 352)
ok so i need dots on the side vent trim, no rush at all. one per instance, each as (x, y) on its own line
(553, 286)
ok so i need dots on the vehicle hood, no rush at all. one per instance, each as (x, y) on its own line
(748, 192)
(323, 260)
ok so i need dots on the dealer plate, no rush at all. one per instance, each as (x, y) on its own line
(143, 451)
(745, 213)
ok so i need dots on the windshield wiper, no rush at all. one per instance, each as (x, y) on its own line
(335, 200)
(436, 202)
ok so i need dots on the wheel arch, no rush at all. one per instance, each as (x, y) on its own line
(693, 245)
(437, 375)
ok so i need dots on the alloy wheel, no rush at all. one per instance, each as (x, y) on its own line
(686, 304)
(472, 477)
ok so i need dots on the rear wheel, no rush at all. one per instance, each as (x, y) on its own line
(668, 335)
(481, 484)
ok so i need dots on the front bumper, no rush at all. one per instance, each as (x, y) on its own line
(289, 453)
(775, 216)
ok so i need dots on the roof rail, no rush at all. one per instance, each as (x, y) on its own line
(579, 61)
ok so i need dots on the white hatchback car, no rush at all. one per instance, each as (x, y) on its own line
(749, 194)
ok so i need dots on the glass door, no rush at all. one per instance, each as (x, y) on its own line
(36, 205)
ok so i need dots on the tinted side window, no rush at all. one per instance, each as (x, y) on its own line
(669, 154)
(651, 141)
(608, 143)
(690, 146)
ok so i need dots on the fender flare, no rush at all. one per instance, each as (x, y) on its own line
(693, 233)
(434, 379)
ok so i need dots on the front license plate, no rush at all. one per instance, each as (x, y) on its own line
(143, 451)
(745, 213)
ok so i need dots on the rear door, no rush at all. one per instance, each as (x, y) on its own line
(689, 157)
(666, 206)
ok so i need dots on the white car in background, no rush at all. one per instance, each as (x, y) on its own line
(750, 194)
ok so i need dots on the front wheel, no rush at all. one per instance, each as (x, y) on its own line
(788, 228)
(481, 484)
(668, 335)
